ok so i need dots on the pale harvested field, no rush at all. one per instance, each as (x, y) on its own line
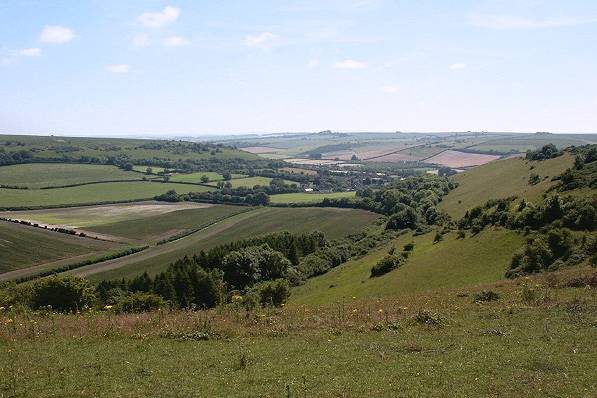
(259, 149)
(314, 162)
(85, 216)
(460, 159)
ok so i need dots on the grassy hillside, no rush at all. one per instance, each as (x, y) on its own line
(335, 223)
(164, 225)
(501, 179)
(22, 246)
(94, 193)
(536, 340)
(451, 263)
(37, 175)
(305, 197)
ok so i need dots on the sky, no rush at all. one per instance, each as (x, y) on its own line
(111, 67)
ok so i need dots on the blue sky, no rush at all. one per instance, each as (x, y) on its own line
(215, 67)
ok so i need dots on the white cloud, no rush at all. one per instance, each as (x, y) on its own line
(158, 19)
(56, 34)
(141, 40)
(457, 66)
(350, 64)
(504, 21)
(30, 52)
(118, 68)
(314, 63)
(260, 40)
(175, 41)
(389, 89)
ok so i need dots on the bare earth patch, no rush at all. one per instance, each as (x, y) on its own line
(460, 159)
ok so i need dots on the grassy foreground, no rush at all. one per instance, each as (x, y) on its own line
(537, 340)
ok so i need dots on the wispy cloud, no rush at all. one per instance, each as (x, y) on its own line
(175, 41)
(30, 52)
(56, 34)
(118, 68)
(389, 89)
(141, 40)
(261, 40)
(505, 21)
(458, 66)
(350, 64)
(158, 19)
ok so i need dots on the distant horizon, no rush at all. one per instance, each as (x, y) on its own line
(265, 134)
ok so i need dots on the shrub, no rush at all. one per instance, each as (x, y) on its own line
(409, 246)
(386, 264)
(486, 295)
(425, 317)
(63, 293)
(274, 293)
(438, 237)
(140, 302)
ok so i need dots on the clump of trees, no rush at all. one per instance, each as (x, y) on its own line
(548, 151)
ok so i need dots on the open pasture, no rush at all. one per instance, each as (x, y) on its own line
(23, 246)
(460, 159)
(163, 225)
(89, 194)
(196, 177)
(260, 149)
(38, 175)
(334, 223)
(306, 197)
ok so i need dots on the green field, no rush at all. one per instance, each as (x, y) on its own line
(524, 142)
(511, 347)
(168, 224)
(22, 246)
(37, 175)
(196, 177)
(305, 197)
(451, 263)
(501, 179)
(335, 223)
(143, 169)
(94, 193)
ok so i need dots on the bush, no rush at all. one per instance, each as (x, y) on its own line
(140, 302)
(486, 295)
(63, 293)
(386, 264)
(274, 293)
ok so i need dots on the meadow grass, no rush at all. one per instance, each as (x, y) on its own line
(501, 179)
(163, 225)
(37, 175)
(196, 177)
(23, 246)
(432, 344)
(451, 263)
(334, 223)
(304, 197)
(88, 194)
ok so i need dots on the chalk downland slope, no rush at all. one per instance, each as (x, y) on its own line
(451, 263)
(501, 179)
